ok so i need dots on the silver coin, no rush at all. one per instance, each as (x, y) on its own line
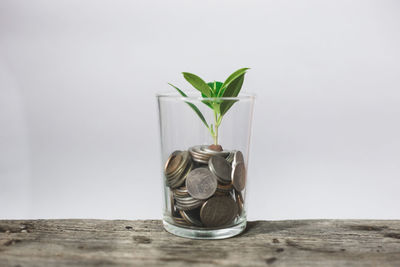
(196, 149)
(197, 155)
(178, 176)
(202, 153)
(180, 221)
(201, 161)
(201, 183)
(207, 150)
(191, 216)
(181, 191)
(186, 202)
(177, 164)
(230, 157)
(185, 207)
(180, 180)
(238, 157)
(218, 211)
(221, 168)
(239, 201)
(172, 203)
(171, 163)
(224, 189)
(185, 199)
(239, 176)
(180, 194)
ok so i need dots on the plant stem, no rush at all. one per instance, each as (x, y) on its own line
(216, 135)
(216, 128)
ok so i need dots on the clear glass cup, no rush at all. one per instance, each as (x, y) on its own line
(204, 186)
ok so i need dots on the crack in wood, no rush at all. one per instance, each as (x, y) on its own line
(187, 260)
(367, 227)
(393, 235)
(11, 242)
(270, 260)
(142, 239)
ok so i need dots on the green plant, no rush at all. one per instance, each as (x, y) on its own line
(214, 94)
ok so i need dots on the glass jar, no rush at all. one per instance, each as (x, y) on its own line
(204, 168)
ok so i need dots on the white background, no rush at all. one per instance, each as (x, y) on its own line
(78, 120)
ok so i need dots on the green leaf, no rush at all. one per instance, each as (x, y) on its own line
(216, 86)
(234, 87)
(226, 105)
(232, 90)
(198, 83)
(230, 79)
(193, 106)
(208, 103)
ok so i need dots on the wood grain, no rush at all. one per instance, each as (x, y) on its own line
(145, 243)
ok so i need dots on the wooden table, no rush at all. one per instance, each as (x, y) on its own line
(139, 243)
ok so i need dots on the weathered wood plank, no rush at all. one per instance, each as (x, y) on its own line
(139, 243)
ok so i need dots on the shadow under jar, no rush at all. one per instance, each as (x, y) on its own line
(204, 176)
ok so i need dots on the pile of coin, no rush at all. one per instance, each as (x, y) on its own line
(202, 154)
(177, 167)
(205, 186)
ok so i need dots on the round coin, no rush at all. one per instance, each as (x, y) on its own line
(201, 183)
(224, 189)
(220, 167)
(178, 175)
(180, 221)
(172, 162)
(172, 203)
(197, 155)
(191, 217)
(187, 202)
(215, 147)
(239, 201)
(239, 176)
(209, 151)
(181, 191)
(179, 181)
(218, 211)
(238, 157)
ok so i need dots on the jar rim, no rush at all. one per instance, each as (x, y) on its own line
(194, 95)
